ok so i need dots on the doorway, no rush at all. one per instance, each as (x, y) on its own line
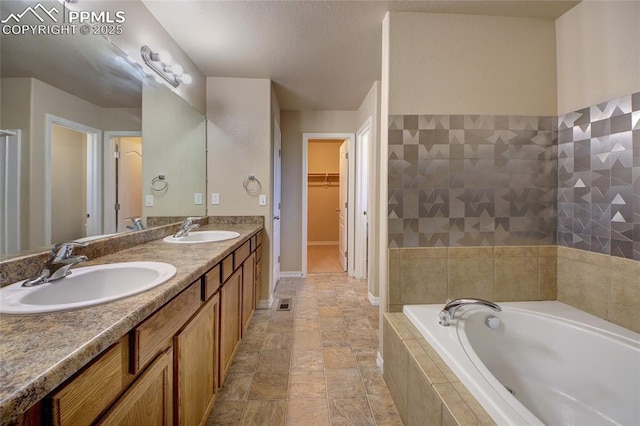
(328, 190)
(123, 180)
(73, 191)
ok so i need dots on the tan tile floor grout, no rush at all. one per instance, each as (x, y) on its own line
(313, 365)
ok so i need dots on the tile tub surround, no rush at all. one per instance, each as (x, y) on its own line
(469, 180)
(600, 284)
(599, 178)
(427, 275)
(39, 352)
(423, 387)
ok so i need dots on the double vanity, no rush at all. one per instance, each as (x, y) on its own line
(156, 356)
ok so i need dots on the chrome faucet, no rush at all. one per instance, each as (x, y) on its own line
(449, 310)
(186, 227)
(57, 264)
(137, 224)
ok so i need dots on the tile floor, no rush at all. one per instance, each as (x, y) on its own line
(323, 259)
(312, 365)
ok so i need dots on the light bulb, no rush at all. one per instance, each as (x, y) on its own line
(175, 69)
(164, 56)
(184, 78)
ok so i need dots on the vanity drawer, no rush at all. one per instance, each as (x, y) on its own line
(211, 282)
(227, 268)
(254, 242)
(156, 333)
(88, 394)
(242, 253)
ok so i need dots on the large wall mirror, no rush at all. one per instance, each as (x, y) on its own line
(84, 134)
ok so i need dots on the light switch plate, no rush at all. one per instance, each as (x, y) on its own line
(262, 200)
(197, 198)
(215, 198)
(148, 200)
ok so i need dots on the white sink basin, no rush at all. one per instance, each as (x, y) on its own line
(88, 286)
(202, 237)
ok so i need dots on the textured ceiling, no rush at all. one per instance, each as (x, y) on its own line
(322, 55)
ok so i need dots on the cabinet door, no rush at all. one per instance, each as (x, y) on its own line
(229, 320)
(149, 401)
(196, 365)
(248, 287)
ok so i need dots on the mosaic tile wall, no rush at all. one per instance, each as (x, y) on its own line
(599, 178)
(464, 180)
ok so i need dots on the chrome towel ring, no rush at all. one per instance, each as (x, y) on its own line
(162, 185)
(251, 184)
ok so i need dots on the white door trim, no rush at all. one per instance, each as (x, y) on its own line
(276, 209)
(362, 232)
(94, 176)
(109, 176)
(11, 141)
(351, 137)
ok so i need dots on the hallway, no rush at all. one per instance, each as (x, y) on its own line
(323, 259)
(314, 365)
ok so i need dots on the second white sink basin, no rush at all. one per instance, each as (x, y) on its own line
(88, 286)
(202, 237)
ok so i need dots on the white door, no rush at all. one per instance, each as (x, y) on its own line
(277, 197)
(129, 181)
(344, 196)
(10, 191)
(362, 184)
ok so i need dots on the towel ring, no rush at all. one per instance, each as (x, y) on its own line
(163, 181)
(251, 184)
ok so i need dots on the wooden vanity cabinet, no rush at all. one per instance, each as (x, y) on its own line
(149, 401)
(230, 308)
(196, 365)
(248, 290)
(168, 368)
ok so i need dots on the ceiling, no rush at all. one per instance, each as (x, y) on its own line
(321, 55)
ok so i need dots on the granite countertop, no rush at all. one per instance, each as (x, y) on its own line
(39, 352)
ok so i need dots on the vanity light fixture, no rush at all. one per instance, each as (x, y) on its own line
(161, 63)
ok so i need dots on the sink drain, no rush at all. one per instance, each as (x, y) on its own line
(511, 391)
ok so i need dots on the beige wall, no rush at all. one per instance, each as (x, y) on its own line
(239, 144)
(323, 199)
(174, 138)
(598, 44)
(294, 124)
(466, 64)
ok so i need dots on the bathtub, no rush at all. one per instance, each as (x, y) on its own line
(545, 363)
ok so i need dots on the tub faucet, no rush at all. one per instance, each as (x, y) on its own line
(57, 264)
(449, 310)
(186, 227)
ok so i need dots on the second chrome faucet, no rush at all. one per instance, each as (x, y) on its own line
(447, 313)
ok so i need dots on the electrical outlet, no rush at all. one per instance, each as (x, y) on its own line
(215, 198)
(197, 198)
(148, 200)
(262, 200)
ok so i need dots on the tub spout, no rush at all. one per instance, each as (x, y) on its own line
(449, 310)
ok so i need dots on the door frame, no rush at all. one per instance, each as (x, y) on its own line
(276, 267)
(109, 176)
(351, 137)
(11, 140)
(94, 173)
(362, 234)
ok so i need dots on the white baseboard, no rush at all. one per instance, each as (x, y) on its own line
(291, 274)
(374, 300)
(265, 304)
(322, 243)
(380, 361)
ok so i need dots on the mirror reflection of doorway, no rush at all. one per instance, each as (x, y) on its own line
(128, 203)
(326, 219)
(74, 187)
